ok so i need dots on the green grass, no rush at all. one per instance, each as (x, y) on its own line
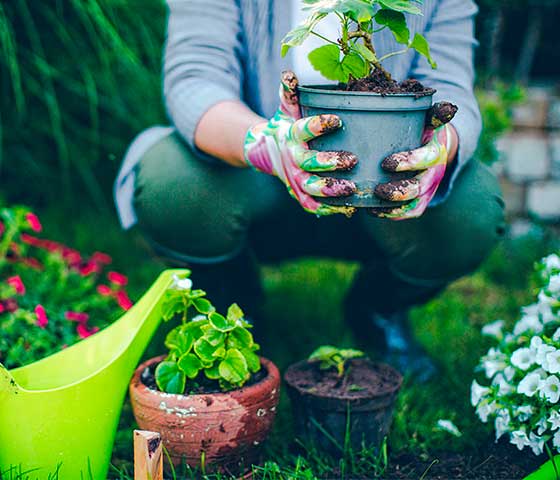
(303, 310)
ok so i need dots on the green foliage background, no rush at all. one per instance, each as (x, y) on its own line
(78, 79)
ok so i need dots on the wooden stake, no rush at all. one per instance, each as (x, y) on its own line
(148, 456)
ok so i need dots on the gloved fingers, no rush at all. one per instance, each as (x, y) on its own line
(289, 98)
(311, 205)
(414, 160)
(309, 128)
(440, 114)
(325, 210)
(314, 161)
(327, 187)
(414, 209)
(424, 183)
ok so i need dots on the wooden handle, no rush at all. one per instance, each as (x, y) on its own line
(148, 456)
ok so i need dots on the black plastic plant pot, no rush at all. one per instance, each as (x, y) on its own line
(336, 423)
(374, 127)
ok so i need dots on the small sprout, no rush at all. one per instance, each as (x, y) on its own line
(206, 346)
(332, 357)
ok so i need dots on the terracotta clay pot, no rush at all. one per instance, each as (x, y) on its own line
(223, 430)
(332, 422)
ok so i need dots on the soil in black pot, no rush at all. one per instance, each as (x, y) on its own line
(379, 82)
(201, 384)
(363, 379)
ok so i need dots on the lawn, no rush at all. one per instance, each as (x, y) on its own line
(303, 310)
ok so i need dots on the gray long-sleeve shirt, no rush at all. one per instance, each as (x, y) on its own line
(220, 50)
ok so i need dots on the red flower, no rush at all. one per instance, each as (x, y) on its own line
(117, 278)
(2, 228)
(42, 320)
(34, 222)
(10, 304)
(2, 308)
(16, 283)
(104, 290)
(84, 331)
(100, 257)
(33, 263)
(123, 300)
(80, 317)
(73, 257)
(88, 268)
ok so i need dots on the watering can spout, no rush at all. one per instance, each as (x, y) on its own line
(60, 414)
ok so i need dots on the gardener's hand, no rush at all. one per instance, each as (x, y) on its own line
(430, 161)
(278, 147)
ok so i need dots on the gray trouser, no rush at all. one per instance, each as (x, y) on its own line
(207, 213)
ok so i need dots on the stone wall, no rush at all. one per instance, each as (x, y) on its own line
(530, 158)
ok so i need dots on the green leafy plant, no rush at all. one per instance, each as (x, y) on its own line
(207, 347)
(353, 55)
(333, 357)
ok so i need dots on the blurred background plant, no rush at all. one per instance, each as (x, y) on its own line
(79, 78)
(51, 296)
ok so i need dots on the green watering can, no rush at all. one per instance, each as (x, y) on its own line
(60, 414)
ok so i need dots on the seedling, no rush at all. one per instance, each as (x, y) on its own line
(353, 55)
(332, 357)
(207, 346)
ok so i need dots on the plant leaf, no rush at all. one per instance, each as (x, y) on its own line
(221, 323)
(325, 352)
(326, 60)
(214, 337)
(213, 372)
(190, 365)
(365, 52)
(179, 340)
(357, 10)
(396, 22)
(169, 378)
(205, 350)
(235, 313)
(252, 359)
(299, 34)
(233, 368)
(401, 6)
(203, 306)
(420, 44)
(241, 338)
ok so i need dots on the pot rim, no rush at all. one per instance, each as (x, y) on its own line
(386, 393)
(327, 89)
(136, 382)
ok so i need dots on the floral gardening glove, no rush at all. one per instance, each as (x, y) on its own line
(278, 147)
(430, 161)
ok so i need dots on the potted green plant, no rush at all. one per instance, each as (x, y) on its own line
(341, 400)
(367, 99)
(212, 398)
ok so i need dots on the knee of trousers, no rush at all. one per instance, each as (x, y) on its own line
(190, 207)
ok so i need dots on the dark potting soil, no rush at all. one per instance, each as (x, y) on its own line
(496, 461)
(378, 82)
(200, 385)
(363, 379)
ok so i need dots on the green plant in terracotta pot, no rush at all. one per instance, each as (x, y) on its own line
(341, 400)
(367, 100)
(212, 398)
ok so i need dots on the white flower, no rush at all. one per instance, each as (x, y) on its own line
(509, 373)
(554, 284)
(542, 425)
(529, 385)
(519, 439)
(477, 392)
(552, 262)
(448, 426)
(550, 389)
(503, 386)
(556, 440)
(528, 322)
(502, 423)
(536, 443)
(494, 329)
(523, 358)
(554, 420)
(541, 356)
(556, 336)
(181, 283)
(493, 362)
(553, 361)
(485, 409)
(523, 413)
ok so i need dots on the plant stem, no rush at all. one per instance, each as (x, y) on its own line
(392, 54)
(325, 39)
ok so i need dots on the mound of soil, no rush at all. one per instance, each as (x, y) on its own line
(378, 82)
(363, 379)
